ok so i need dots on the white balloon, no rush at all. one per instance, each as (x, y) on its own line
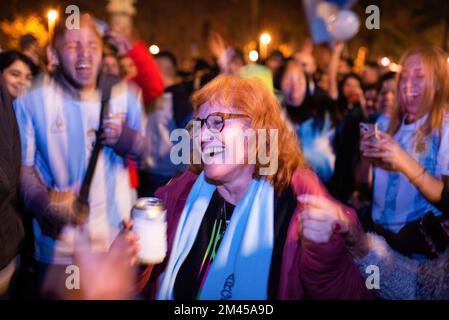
(343, 25)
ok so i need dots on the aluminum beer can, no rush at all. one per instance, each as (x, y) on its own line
(150, 223)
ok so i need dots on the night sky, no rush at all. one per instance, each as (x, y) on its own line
(177, 25)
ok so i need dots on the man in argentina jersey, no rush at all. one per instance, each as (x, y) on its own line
(58, 120)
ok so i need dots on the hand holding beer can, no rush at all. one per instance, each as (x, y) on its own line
(149, 222)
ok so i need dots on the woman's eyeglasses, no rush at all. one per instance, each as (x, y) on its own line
(215, 121)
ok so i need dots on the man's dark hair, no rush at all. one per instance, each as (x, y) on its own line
(238, 55)
(26, 40)
(168, 55)
(372, 64)
(276, 54)
(371, 86)
(7, 58)
(386, 77)
(349, 62)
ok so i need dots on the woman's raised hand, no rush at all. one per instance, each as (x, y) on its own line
(385, 151)
(320, 219)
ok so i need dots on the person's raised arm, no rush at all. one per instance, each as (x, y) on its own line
(219, 50)
(332, 70)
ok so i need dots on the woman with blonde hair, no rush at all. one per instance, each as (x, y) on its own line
(412, 157)
(244, 225)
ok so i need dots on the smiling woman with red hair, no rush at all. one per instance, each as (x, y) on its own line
(236, 231)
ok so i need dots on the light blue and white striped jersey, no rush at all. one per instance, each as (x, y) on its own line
(395, 200)
(57, 133)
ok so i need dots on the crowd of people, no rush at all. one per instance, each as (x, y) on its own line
(361, 177)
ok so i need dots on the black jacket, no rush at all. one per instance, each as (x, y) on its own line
(11, 228)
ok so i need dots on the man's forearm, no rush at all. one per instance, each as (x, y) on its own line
(131, 143)
(33, 192)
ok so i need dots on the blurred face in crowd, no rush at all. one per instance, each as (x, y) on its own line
(235, 64)
(352, 89)
(168, 70)
(323, 81)
(18, 78)
(111, 66)
(225, 159)
(343, 67)
(371, 100)
(294, 84)
(307, 61)
(412, 83)
(370, 74)
(165, 66)
(387, 96)
(127, 68)
(33, 52)
(79, 52)
(274, 63)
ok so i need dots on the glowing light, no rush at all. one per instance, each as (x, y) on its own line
(385, 61)
(253, 55)
(52, 15)
(265, 38)
(394, 67)
(154, 49)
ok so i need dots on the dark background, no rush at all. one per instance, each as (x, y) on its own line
(179, 25)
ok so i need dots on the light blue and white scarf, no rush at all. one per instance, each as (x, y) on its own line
(242, 265)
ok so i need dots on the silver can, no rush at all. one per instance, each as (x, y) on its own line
(150, 223)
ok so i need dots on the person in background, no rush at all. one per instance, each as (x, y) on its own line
(17, 71)
(309, 108)
(58, 122)
(386, 99)
(362, 195)
(349, 113)
(307, 62)
(138, 66)
(413, 152)
(229, 60)
(371, 94)
(275, 62)
(171, 111)
(111, 65)
(345, 66)
(370, 73)
(30, 47)
(11, 227)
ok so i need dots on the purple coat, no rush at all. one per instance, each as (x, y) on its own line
(308, 271)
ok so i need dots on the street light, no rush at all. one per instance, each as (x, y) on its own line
(154, 49)
(394, 67)
(385, 61)
(253, 56)
(52, 15)
(264, 39)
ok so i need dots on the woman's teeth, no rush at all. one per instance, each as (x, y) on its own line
(83, 66)
(213, 151)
